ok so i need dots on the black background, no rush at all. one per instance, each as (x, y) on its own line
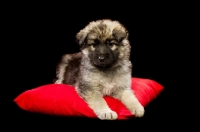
(39, 34)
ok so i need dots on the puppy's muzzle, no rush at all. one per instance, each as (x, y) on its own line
(102, 53)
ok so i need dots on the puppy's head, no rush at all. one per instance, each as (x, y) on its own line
(104, 42)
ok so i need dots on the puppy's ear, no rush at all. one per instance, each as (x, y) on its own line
(120, 33)
(80, 38)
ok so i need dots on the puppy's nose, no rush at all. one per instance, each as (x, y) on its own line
(101, 58)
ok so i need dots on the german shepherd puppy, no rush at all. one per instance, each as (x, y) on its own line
(102, 68)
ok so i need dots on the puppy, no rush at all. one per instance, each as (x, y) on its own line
(101, 68)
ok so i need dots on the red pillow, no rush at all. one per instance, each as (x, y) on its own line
(61, 99)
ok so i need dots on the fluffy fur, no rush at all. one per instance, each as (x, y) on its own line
(101, 68)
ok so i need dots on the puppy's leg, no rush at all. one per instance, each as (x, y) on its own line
(60, 71)
(131, 102)
(96, 102)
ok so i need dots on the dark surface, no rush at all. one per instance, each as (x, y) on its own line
(41, 35)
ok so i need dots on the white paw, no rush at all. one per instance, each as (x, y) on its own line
(107, 115)
(138, 110)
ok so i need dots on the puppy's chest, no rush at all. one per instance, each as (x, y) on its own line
(107, 84)
(107, 88)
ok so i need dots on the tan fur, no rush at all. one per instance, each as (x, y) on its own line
(61, 69)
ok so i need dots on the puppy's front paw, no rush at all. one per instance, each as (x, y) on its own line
(138, 110)
(107, 115)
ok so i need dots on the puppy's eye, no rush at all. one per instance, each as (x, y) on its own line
(93, 44)
(111, 44)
